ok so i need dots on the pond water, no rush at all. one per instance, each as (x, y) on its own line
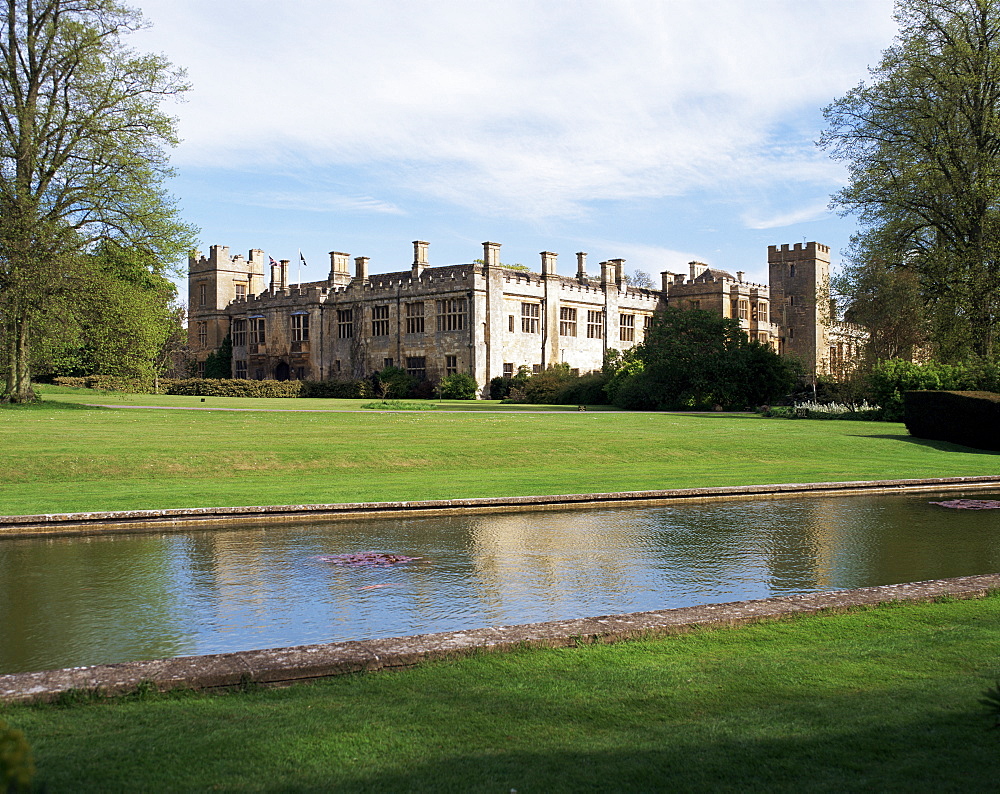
(111, 598)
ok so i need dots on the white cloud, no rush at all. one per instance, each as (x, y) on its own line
(527, 108)
(812, 212)
(317, 201)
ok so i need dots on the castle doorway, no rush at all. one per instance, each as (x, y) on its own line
(282, 371)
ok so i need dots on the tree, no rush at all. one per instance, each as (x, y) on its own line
(125, 326)
(922, 142)
(219, 363)
(82, 160)
(638, 278)
(884, 299)
(697, 359)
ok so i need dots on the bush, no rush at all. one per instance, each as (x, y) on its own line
(544, 386)
(584, 390)
(500, 387)
(212, 387)
(337, 389)
(423, 390)
(392, 383)
(17, 767)
(108, 383)
(971, 419)
(460, 386)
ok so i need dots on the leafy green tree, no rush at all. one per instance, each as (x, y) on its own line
(83, 145)
(884, 299)
(922, 141)
(122, 329)
(697, 359)
(219, 363)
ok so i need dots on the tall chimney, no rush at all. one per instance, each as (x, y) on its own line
(274, 276)
(548, 263)
(419, 257)
(361, 268)
(284, 275)
(581, 266)
(491, 254)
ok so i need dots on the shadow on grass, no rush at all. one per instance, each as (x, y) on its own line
(953, 751)
(943, 446)
(46, 405)
(915, 757)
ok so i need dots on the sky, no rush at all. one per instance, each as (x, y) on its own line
(656, 131)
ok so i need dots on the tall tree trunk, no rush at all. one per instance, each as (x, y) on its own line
(19, 375)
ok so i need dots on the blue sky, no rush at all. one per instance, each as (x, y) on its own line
(658, 131)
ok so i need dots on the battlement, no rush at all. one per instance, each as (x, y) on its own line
(220, 259)
(786, 253)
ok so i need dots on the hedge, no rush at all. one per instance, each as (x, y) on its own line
(969, 418)
(228, 387)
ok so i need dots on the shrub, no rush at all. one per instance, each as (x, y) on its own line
(968, 418)
(584, 390)
(337, 389)
(460, 386)
(212, 387)
(17, 767)
(500, 387)
(545, 386)
(392, 383)
(423, 390)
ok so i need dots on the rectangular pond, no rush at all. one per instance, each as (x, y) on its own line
(109, 598)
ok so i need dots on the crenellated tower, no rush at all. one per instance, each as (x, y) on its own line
(799, 278)
(213, 283)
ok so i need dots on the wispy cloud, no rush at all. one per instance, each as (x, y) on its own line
(318, 202)
(812, 212)
(522, 108)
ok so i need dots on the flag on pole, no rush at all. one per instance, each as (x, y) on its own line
(273, 263)
(302, 258)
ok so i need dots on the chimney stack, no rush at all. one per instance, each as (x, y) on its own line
(548, 263)
(491, 254)
(581, 266)
(419, 257)
(361, 269)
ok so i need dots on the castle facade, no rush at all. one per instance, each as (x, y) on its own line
(484, 318)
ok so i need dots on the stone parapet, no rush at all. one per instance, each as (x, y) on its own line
(280, 666)
(182, 519)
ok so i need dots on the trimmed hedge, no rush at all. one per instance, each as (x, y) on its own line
(969, 418)
(227, 387)
(212, 387)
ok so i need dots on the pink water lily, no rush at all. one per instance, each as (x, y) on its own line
(971, 504)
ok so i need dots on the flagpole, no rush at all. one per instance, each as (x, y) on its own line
(300, 270)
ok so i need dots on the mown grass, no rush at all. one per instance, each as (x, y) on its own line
(61, 457)
(880, 699)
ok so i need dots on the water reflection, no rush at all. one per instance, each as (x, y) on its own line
(66, 602)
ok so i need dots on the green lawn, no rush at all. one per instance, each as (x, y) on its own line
(59, 456)
(880, 699)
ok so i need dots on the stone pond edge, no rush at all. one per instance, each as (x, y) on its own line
(282, 666)
(186, 518)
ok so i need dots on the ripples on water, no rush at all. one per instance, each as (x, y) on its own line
(89, 600)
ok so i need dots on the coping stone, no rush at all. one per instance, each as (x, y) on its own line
(282, 666)
(178, 519)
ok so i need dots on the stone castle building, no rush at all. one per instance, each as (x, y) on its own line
(484, 318)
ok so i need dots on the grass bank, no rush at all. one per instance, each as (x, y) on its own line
(881, 699)
(60, 457)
